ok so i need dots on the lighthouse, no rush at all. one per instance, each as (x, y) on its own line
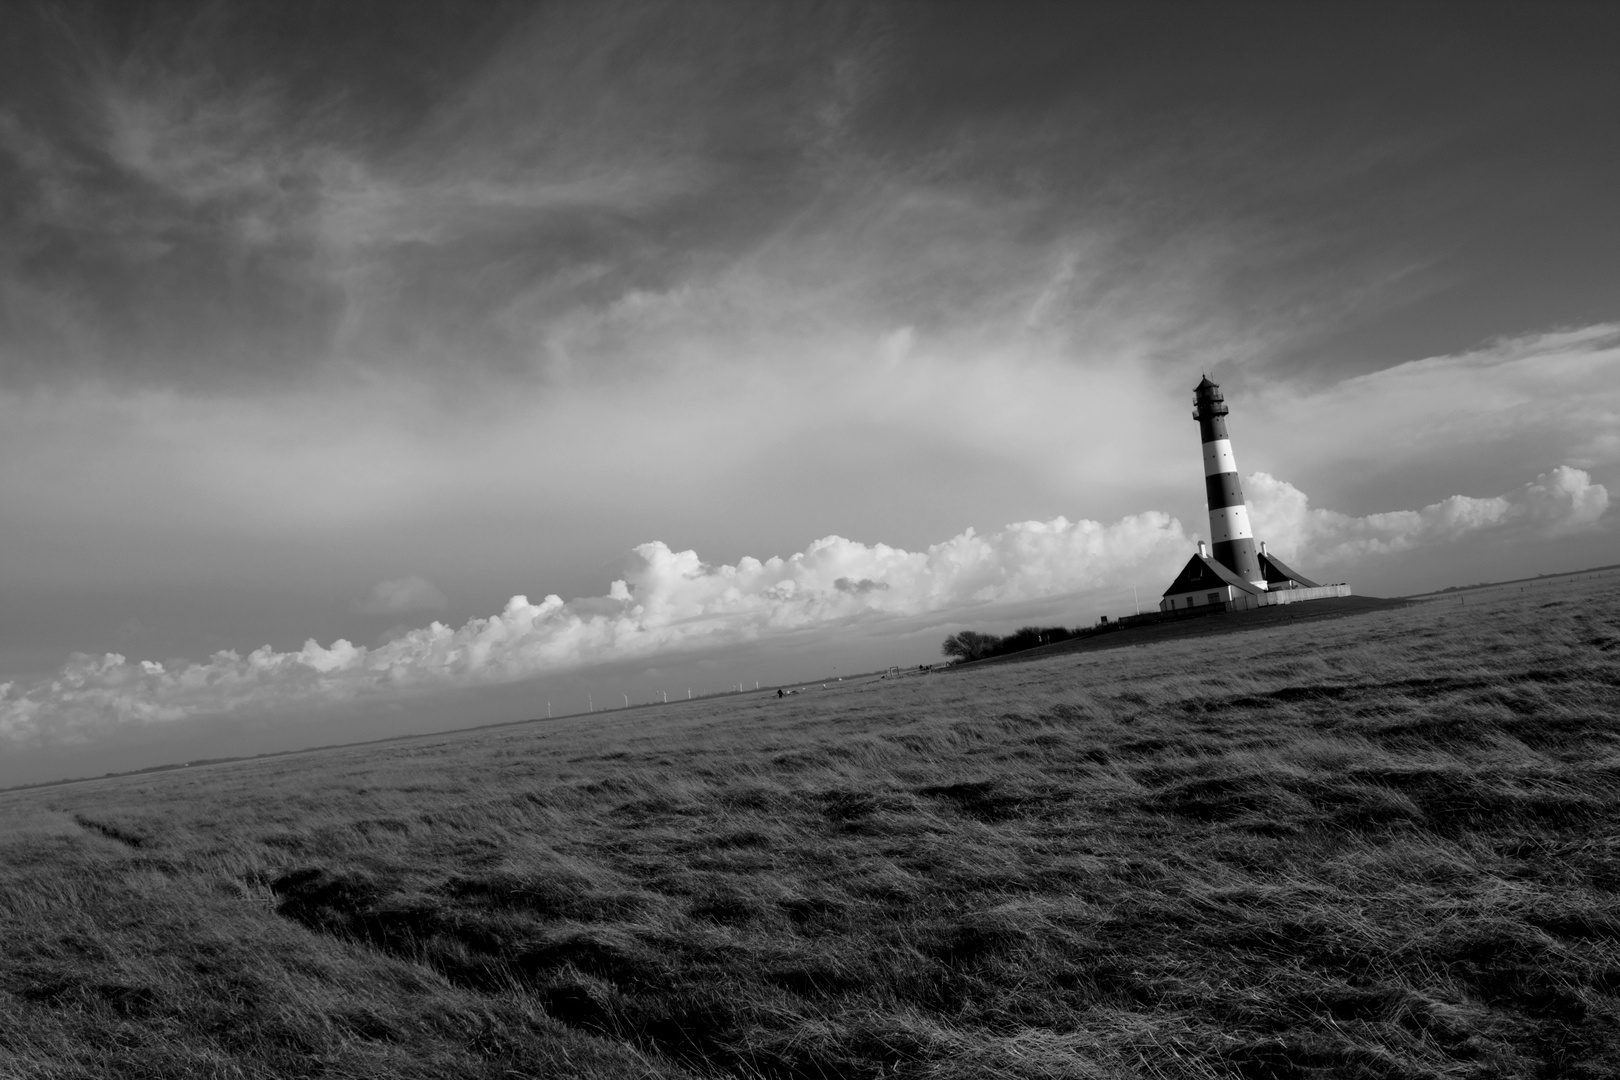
(1230, 537)
(1229, 574)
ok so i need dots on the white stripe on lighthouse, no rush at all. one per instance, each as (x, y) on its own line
(1218, 457)
(1229, 523)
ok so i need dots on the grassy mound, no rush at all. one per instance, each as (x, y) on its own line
(1385, 845)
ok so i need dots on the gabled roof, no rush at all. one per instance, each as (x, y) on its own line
(1277, 572)
(1203, 573)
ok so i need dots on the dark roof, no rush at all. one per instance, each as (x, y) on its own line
(1277, 572)
(1202, 572)
(1207, 383)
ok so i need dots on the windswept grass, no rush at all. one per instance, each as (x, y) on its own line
(1380, 846)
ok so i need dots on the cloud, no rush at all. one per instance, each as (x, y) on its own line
(1550, 396)
(670, 602)
(552, 212)
(399, 595)
(1555, 503)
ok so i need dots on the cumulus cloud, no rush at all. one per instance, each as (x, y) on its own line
(399, 595)
(1553, 504)
(671, 601)
(667, 601)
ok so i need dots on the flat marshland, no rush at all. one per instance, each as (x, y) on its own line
(1384, 845)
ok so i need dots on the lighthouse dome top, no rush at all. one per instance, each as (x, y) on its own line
(1210, 401)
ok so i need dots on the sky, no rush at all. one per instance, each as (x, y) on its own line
(375, 368)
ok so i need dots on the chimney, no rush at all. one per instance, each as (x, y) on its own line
(1262, 547)
(1203, 552)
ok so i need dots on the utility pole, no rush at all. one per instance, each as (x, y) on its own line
(1137, 598)
(590, 703)
(548, 708)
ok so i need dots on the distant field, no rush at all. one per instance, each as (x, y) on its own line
(1383, 845)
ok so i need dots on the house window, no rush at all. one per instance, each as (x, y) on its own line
(1214, 597)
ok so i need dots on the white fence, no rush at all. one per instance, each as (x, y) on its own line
(1244, 601)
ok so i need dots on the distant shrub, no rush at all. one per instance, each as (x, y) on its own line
(972, 645)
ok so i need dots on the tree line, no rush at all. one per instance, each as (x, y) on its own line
(972, 645)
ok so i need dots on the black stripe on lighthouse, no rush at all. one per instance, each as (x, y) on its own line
(1223, 489)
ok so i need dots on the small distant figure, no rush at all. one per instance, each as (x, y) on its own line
(780, 694)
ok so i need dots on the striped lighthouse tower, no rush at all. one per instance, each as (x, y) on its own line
(1229, 532)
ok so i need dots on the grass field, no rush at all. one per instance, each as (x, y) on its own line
(1384, 845)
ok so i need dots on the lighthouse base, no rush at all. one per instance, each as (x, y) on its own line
(1207, 583)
